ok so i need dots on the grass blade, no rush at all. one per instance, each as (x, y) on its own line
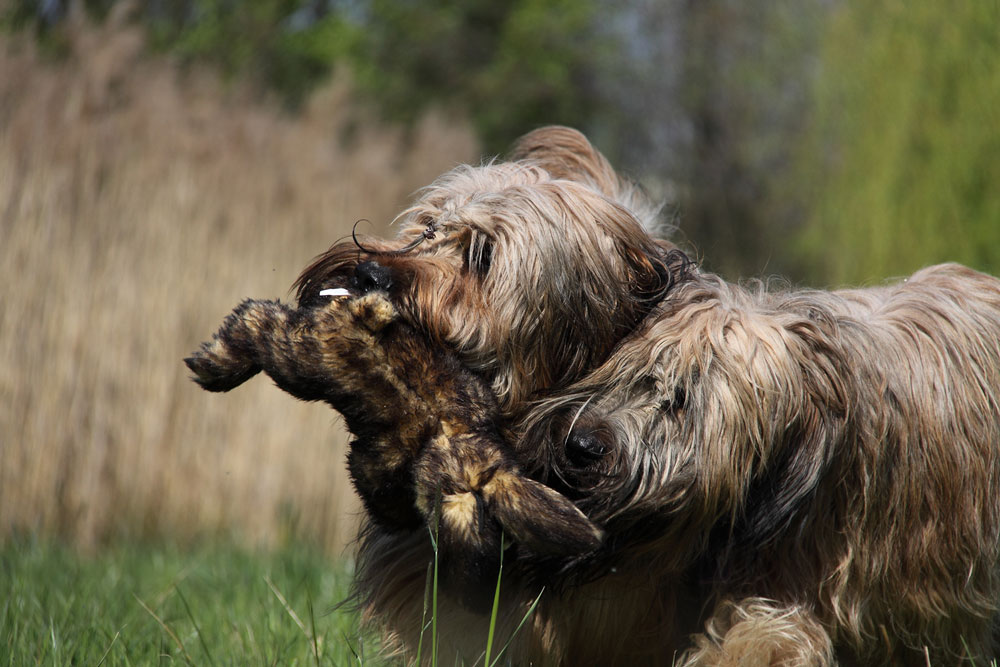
(423, 616)
(310, 636)
(350, 647)
(197, 630)
(55, 643)
(496, 607)
(312, 624)
(288, 607)
(527, 615)
(105, 656)
(166, 628)
(433, 529)
(434, 608)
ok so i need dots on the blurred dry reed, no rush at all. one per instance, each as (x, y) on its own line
(138, 204)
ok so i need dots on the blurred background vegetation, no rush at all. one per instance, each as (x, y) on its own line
(162, 159)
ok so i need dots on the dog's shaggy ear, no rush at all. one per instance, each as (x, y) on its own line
(567, 154)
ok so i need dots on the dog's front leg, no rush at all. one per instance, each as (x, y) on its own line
(756, 632)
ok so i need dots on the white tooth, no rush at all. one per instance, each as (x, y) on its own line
(336, 291)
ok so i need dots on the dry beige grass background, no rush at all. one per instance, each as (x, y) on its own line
(137, 207)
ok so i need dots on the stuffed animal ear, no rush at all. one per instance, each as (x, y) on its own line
(539, 518)
(479, 484)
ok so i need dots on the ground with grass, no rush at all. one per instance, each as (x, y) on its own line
(143, 604)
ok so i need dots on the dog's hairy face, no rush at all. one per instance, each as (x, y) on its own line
(688, 414)
(488, 261)
(816, 427)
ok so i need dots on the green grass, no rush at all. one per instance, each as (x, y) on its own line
(211, 604)
(214, 604)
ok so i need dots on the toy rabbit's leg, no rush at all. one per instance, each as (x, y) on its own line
(383, 477)
(468, 537)
(256, 336)
(231, 357)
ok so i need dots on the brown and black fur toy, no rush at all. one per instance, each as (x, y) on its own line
(427, 445)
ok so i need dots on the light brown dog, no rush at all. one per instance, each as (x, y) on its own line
(782, 477)
(816, 472)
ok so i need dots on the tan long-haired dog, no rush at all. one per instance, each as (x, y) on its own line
(812, 475)
(782, 477)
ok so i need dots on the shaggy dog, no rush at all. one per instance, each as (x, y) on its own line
(782, 477)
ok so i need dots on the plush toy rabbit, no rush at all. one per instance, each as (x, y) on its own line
(427, 445)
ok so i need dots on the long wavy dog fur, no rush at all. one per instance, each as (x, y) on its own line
(782, 477)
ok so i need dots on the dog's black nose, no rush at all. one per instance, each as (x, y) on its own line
(370, 277)
(584, 448)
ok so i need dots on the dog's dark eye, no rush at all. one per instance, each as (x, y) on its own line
(675, 402)
(479, 256)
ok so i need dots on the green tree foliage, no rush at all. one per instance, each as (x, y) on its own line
(902, 165)
(511, 65)
(287, 45)
(745, 79)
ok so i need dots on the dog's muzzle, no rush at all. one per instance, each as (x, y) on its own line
(370, 276)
